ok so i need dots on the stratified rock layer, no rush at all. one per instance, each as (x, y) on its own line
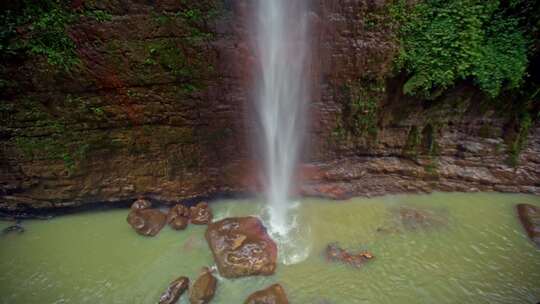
(274, 294)
(529, 216)
(147, 222)
(242, 247)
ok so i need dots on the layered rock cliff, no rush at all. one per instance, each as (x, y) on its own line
(160, 106)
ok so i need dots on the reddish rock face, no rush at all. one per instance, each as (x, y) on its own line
(335, 253)
(201, 214)
(529, 216)
(141, 204)
(204, 288)
(274, 294)
(242, 247)
(178, 217)
(174, 291)
(147, 222)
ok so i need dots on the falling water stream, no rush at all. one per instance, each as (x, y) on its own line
(282, 92)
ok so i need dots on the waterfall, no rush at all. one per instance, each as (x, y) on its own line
(282, 93)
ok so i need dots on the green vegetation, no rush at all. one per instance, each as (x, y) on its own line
(443, 42)
(40, 28)
(360, 109)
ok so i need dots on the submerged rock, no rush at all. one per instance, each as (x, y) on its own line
(174, 291)
(204, 288)
(201, 214)
(147, 222)
(529, 216)
(275, 294)
(17, 228)
(178, 217)
(413, 219)
(242, 247)
(141, 204)
(338, 254)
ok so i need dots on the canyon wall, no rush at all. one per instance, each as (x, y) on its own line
(160, 107)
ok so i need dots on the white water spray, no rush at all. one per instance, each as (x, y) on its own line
(283, 51)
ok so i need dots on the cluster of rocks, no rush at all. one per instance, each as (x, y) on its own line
(241, 247)
(148, 221)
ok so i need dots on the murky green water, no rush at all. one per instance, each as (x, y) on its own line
(475, 252)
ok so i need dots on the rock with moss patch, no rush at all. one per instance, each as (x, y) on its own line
(147, 222)
(275, 294)
(178, 217)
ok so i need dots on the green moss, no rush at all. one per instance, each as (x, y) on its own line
(519, 142)
(412, 145)
(359, 110)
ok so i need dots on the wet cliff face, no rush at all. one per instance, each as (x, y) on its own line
(159, 106)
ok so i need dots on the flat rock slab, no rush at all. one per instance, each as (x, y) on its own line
(529, 216)
(275, 294)
(242, 247)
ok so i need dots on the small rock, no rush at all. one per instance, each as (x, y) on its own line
(529, 215)
(201, 214)
(147, 222)
(174, 291)
(335, 253)
(178, 217)
(17, 228)
(241, 247)
(141, 204)
(275, 294)
(204, 288)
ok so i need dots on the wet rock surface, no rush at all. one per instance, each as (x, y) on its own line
(174, 291)
(141, 204)
(147, 222)
(200, 214)
(274, 294)
(529, 216)
(335, 253)
(204, 288)
(178, 217)
(241, 247)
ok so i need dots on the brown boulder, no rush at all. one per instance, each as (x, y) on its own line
(141, 204)
(529, 216)
(147, 222)
(241, 247)
(336, 254)
(204, 288)
(178, 217)
(274, 294)
(174, 291)
(201, 214)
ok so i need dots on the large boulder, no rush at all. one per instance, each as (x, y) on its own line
(529, 216)
(337, 254)
(141, 203)
(201, 214)
(275, 294)
(204, 288)
(242, 247)
(174, 291)
(178, 217)
(147, 222)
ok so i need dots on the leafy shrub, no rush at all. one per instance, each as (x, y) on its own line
(446, 41)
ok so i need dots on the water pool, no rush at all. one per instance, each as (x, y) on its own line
(474, 251)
